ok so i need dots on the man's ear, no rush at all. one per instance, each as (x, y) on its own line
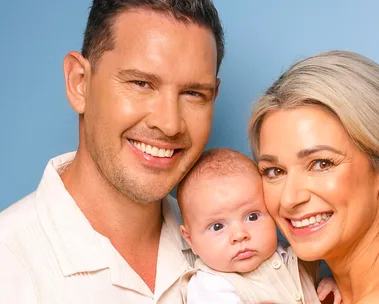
(186, 236)
(76, 73)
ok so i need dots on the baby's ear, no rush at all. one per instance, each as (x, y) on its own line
(186, 236)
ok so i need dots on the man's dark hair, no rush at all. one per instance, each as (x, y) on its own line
(98, 36)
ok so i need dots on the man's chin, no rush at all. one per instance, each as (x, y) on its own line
(148, 197)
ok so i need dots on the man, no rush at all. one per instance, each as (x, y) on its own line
(100, 227)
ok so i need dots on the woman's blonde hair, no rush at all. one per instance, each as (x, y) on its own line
(344, 83)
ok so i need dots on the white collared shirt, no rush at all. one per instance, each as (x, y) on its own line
(207, 288)
(50, 254)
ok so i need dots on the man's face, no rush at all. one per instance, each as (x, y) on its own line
(149, 103)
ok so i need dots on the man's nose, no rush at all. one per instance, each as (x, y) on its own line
(167, 114)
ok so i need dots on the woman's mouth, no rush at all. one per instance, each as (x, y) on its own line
(312, 221)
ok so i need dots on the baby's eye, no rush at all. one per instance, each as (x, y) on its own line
(216, 227)
(252, 217)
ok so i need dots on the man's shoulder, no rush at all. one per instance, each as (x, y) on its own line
(19, 215)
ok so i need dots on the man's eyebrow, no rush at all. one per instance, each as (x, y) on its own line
(307, 152)
(200, 86)
(138, 74)
(302, 153)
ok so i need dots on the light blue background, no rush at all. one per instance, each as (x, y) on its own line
(263, 38)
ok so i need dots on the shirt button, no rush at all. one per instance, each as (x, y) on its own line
(297, 296)
(276, 264)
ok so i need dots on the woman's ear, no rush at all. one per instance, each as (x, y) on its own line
(76, 73)
(187, 237)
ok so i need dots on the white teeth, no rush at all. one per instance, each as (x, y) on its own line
(169, 153)
(154, 151)
(305, 222)
(312, 221)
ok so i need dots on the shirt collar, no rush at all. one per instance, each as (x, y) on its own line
(171, 262)
(79, 248)
(173, 220)
(76, 244)
(282, 253)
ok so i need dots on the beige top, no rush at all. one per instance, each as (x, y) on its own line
(272, 282)
(49, 253)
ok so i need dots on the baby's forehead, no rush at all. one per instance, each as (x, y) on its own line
(214, 189)
(213, 177)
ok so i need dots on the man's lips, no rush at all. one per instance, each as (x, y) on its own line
(156, 149)
(154, 157)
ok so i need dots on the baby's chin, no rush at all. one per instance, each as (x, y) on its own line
(246, 268)
(240, 266)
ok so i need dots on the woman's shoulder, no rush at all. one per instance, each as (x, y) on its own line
(371, 298)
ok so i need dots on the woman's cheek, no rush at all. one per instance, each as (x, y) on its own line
(272, 200)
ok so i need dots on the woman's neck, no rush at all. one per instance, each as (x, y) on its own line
(357, 271)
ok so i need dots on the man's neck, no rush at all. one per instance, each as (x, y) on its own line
(133, 228)
(357, 272)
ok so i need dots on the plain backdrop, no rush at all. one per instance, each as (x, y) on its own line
(262, 39)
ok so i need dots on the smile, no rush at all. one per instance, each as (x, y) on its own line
(152, 150)
(312, 221)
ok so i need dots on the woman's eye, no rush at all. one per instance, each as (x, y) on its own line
(272, 172)
(322, 164)
(252, 217)
(216, 227)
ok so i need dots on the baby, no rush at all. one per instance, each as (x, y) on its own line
(227, 225)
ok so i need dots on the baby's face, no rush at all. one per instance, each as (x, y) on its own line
(227, 222)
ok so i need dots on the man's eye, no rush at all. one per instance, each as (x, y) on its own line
(252, 217)
(193, 93)
(216, 227)
(140, 83)
(322, 164)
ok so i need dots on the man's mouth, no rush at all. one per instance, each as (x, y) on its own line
(311, 221)
(152, 150)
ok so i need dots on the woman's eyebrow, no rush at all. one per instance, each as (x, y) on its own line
(306, 152)
(268, 158)
(302, 153)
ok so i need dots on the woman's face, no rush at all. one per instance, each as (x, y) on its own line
(318, 185)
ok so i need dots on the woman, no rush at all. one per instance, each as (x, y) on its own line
(315, 137)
